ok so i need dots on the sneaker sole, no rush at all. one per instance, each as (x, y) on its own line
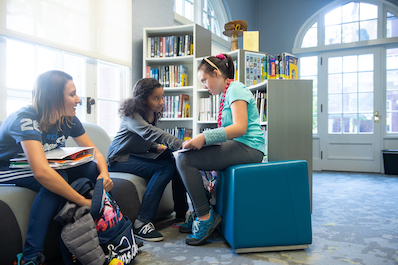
(153, 239)
(216, 223)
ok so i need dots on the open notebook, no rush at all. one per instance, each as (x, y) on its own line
(60, 158)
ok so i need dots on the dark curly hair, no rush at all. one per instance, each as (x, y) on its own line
(136, 104)
(226, 67)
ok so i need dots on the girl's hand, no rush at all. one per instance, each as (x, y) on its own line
(195, 143)
(161, 148)
(107, 181)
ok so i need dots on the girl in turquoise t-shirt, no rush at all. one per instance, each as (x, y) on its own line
(239, 134)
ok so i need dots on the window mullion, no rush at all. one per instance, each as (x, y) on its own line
(381, 21)
(198, 12)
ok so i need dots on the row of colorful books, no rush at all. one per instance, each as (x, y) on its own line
(283, 66)
(177, 106)
(182, 133)
(260, 67)
(261, 101)
(170, 46)
(169, 75)
(208, 108)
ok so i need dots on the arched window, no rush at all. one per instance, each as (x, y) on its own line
(210, 14)
(341, 25)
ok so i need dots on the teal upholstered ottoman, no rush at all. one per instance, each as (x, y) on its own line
(265, 207)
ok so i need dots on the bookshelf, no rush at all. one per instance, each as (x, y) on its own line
(200, 39)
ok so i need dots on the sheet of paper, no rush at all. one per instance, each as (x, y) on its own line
(251, 40)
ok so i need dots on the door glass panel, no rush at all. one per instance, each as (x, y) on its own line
(350, 94)
(334, 122)
(392, 91)
(350, 102)
(350, 123)
(365, 81)
(335, 103)
(335, 83)
(350, 83)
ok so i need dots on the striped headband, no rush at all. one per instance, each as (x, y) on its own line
(212, 64)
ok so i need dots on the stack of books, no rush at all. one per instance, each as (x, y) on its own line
(60, 158)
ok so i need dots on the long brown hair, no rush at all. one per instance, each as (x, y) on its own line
(48, 99)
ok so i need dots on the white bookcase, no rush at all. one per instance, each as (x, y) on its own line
(201, 48)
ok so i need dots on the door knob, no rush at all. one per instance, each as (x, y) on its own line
(90, 101)
(377, 119)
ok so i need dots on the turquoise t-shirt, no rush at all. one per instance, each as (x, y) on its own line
(254, 136)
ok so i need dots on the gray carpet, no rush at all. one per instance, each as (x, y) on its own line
(354, 221)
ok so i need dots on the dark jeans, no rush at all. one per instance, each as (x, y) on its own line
(46, 205)
(158, 173)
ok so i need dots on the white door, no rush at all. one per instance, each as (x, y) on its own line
(349, 126)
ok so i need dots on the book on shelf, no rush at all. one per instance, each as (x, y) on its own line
(208, 108)
(261, 102)
(60, 158)
(170, 46)
(169, 75)
(180, 132)
(176, 106)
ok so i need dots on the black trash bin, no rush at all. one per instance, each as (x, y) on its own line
(390, 158)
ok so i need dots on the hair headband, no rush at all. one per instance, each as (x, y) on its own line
(212, 64)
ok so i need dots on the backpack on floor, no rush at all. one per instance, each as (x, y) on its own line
(115, 231)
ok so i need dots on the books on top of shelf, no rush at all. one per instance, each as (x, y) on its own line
(170, 46)
(169, 75)
(60, 158)
(177, 106)
(282, 66)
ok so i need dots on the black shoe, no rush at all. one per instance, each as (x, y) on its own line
(147, 232)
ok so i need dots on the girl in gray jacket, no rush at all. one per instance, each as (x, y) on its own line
(133, 150)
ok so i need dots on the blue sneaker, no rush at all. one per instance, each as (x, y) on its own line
(39, 259)
(186, 227)
(201, 229)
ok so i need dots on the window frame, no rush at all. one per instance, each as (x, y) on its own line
(220, 14)
(383, 8)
